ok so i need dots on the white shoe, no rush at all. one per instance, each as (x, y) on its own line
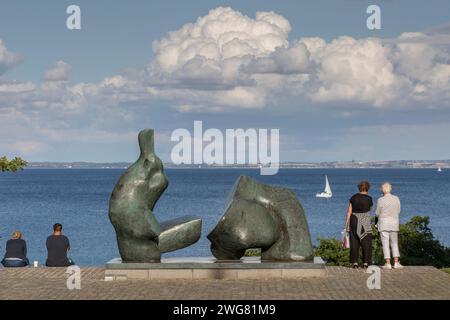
(397, 265)
(387, 266)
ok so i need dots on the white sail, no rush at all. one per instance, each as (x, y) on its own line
(327, 186)
(327, 192)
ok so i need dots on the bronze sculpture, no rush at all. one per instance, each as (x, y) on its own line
(257, 216)
(139, 235)
(261, 216)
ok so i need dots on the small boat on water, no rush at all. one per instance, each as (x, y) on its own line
(439, 169)
(327, 192)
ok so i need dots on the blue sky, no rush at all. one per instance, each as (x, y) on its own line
(109, 82)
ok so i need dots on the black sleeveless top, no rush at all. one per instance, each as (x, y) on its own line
(361, 203)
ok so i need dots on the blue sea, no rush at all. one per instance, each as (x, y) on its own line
(33, 200)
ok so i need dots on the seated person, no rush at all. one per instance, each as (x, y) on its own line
(57, 247)
(16, 252)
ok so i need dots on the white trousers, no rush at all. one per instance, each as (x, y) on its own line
(389, 239)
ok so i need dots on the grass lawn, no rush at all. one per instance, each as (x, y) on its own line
(446, 270)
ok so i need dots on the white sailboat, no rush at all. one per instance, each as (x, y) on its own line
(439, 169)
(327, 192)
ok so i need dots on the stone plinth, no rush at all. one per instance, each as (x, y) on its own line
(210, 268)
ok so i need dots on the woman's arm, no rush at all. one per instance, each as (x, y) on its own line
(349, 213)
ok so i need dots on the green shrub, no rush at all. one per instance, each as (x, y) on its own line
(418, 245)
(377, 247)
(333, 253)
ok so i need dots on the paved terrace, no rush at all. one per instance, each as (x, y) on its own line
(339, 283)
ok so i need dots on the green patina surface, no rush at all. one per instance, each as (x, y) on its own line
(257, 216)
(262, 216)
(140, 237)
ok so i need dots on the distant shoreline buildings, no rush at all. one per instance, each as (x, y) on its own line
(394, 164)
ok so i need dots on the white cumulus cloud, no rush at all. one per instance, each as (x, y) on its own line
(7, 59)
(251, 60)
(226, 60)
(59, 72)
(222, 34)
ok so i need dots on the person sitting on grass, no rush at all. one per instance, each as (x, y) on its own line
(58, 246)
(16, 252)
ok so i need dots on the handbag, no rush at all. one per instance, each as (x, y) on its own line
(345, 239)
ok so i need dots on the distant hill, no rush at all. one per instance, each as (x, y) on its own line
(445, 164)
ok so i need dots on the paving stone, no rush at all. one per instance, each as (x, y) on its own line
(338, 283)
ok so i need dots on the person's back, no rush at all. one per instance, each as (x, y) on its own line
(16, 248)
(57, 247)
(16, 252)
(388, 212)
(361, 203)
(359, 226)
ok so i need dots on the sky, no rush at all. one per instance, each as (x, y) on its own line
(312, 69)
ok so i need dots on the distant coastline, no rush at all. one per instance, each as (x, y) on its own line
(394, 164)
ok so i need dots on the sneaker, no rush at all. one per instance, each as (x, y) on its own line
(397, 265)
(387, 266)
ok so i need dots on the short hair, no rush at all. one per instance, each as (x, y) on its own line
(17, 235)
(57, 227)
(364, 186)
(386, 187)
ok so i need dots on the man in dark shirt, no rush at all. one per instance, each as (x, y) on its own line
(16, 252)
(58, 246)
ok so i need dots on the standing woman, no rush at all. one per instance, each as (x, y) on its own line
(388, 212)
(359, 226)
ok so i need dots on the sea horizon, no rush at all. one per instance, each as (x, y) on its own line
(368, 164)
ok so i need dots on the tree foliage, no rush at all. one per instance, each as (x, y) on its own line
(418, 245)
(333, 253)
(12, 165)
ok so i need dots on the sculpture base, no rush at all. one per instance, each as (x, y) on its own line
(210, 268)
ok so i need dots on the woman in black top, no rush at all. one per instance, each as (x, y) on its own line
(16, 252)
(359, 226)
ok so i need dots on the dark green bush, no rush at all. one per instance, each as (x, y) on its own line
(377, 247)
(333, 253)
(419, 247)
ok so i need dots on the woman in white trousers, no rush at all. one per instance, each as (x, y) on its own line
(388, 212)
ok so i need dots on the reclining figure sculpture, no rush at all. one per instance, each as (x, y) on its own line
(261, 216)
(139, 235)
